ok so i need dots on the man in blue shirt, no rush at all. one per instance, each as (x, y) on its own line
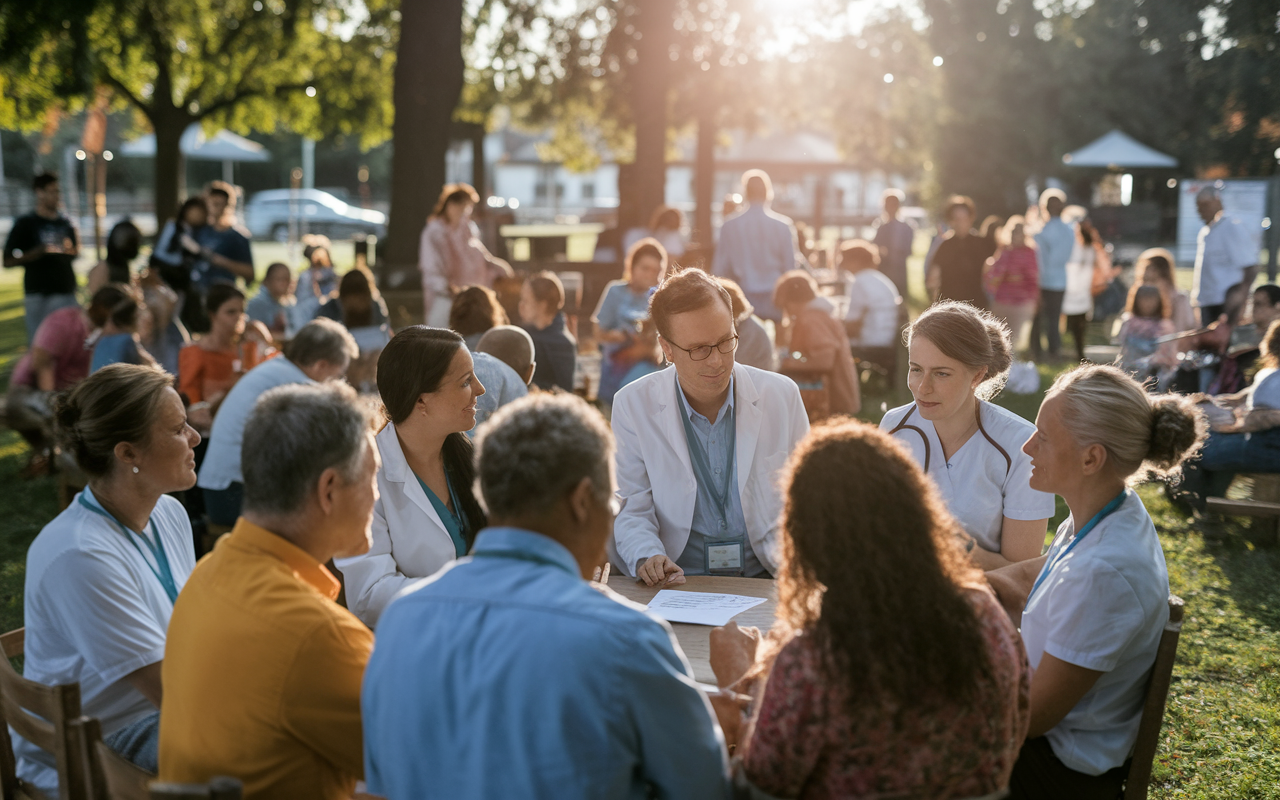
(894, 238)
(1055, 241)
(757, 246)
(507, 674)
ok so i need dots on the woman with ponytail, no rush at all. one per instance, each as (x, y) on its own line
(426, 514)
(959, 357)
(1092, 610)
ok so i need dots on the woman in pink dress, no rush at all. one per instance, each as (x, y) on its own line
(892, 669)
(451, 255)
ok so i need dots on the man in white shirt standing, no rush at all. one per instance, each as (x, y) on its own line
(757, 246)
(1225, 255)
(700, 447)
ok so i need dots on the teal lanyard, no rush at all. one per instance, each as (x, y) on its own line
(701, 464)
(455, 513)
(161, 570)
(520, 555)
(1107, 510)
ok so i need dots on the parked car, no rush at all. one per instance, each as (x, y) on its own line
(267, 215)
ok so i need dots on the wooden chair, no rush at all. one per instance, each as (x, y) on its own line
(216, 789)
(42, 715)
(1263, 502)
(1144, 750)
(110, 775)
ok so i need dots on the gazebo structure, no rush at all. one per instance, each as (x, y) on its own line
(1124, 207)
(222, 145)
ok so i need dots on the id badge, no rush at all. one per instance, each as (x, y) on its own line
(724, 557)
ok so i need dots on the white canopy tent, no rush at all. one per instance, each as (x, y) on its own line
(223, 145)
(1117, 150)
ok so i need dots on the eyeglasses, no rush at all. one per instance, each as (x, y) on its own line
(725, 346)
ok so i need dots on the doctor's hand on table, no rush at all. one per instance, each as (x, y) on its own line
(660, 571)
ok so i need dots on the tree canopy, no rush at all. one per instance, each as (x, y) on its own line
(315, 66)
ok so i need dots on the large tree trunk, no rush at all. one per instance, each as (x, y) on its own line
(170, 177)
(704, 175)
(429, 75)
(650, 84)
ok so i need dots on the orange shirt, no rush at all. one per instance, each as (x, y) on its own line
(203, 374)
(262, 673)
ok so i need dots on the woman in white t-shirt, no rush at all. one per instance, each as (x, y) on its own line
(872, 316)
(1092, 610)
(102, 577)
(958, 359)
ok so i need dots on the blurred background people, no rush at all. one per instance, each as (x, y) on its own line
(451, 255)
(871, 317)
(123, 245)
(1013, 280)
(541, 314)
(270, 306)
(757, 246)
(44, 244)
(955, 271)
(1054, 243)
(475, 310)
(755, 341)
(619, 317)
(894, 239)
(817, 345)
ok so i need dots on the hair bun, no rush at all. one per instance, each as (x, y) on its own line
(1001, 346)
(1177, 430)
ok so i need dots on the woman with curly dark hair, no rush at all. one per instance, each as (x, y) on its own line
(892, 669)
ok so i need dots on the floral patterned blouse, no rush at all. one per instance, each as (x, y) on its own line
(806, 744)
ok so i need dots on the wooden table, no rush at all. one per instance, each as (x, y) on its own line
(695, 639)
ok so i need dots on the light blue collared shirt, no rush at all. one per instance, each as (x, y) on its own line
(506, 675)
(708, 524)
(755, 248)
(1056, 241)
(501, 386)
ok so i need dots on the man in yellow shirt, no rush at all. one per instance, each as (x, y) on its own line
(262, 669)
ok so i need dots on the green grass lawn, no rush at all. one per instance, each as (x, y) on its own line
(1221, 736)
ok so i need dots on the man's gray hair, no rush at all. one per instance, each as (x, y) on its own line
(534, 451)
(321, 340)
(294, 434)
(1208, 192)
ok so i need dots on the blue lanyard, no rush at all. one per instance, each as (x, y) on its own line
(701, 462)
(1107, 510)
(163, 573)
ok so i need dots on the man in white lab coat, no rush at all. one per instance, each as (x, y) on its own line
(700, 447)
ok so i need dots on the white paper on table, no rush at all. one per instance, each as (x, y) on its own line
(700, 608)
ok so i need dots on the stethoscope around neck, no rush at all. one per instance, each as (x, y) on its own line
(903, 426)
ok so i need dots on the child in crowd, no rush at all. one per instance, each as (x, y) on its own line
(271, 304)
(1146, 320)
(117, 340)
(542, 316)
(1013, 280)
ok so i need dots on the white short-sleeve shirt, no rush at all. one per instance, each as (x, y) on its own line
(979, 484)
(873, 299)
(1103, 607)
(1223, 249)
(95, 612)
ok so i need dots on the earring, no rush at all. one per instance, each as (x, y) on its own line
(135, 470)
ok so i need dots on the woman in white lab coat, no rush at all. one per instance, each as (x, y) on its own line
(959, 357)
(426, 515)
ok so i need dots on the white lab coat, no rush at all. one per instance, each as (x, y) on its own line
(409, 538)
(656, 483)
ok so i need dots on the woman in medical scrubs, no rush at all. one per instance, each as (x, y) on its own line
(1093, 608)
(959, 357)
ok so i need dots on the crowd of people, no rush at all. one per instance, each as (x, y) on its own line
(925, 646)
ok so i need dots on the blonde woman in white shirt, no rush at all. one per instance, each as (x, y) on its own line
(1093, 608)
(958, 359)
